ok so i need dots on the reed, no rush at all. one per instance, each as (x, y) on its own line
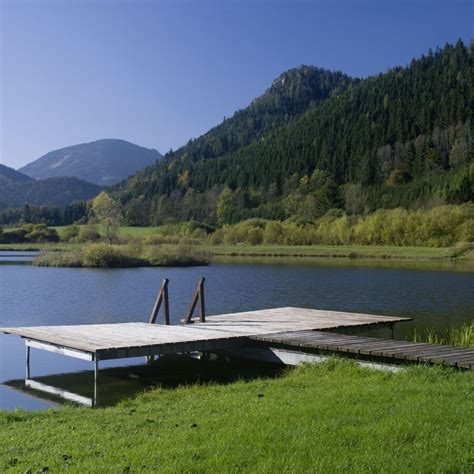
(462, 336)
(102, 255)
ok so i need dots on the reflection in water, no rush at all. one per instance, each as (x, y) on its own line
(343, 262)
(17, 257)
(119, 383)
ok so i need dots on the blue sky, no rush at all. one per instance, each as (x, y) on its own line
(158, 73)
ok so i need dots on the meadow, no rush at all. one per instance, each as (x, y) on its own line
(334, 417)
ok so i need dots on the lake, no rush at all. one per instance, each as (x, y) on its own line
(435, 295)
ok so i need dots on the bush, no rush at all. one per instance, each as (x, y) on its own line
(107, 256)
(88, 233)
(273, 233)
(69, 233)
(217, 238)
(58, 259)
(14, 236)
(438, 227)
(34, 233)
(176, 255)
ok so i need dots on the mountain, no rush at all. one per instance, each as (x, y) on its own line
(291, 94)
(103, 162)
(17, 189)
(318, 140)
(10, 174)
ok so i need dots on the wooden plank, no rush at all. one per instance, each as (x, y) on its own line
(425, 351)
(459, 357)
(405, 350)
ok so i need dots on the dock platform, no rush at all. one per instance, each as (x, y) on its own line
(294, 330)
(123, 340)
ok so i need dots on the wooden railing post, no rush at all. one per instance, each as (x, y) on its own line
(161, 298)
(198, 295)
(202, 312)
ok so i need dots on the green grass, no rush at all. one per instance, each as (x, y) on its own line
(298, 251)
(123, 230)
(103, 255)
(40, 246)
(341, 251)
(334, 417)
(462, 336)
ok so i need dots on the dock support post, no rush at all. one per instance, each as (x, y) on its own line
(96, 381)
(391, 328)
(28, 353)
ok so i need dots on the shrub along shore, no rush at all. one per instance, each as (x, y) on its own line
(103, 255)
(185, 253)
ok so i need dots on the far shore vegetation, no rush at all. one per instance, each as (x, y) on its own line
(444, 232)
(105, 255)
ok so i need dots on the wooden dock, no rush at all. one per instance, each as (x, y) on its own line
(123, 340)
(271, 330)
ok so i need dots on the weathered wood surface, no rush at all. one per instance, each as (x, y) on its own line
(198, 295)
(120, 340)
(370, 346)
(162, 298)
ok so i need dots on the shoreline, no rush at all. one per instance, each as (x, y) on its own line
(349, 252)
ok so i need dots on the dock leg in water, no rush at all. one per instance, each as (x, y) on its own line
(96, 381)
(28, 353)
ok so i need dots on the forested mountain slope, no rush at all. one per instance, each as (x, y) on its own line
(291, 94)
(17, 190)
(401, 138)
(10, 174)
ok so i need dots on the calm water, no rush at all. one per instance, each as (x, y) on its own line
(434, 295)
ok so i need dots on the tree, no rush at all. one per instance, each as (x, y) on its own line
(109, 213)
(354, 202)
(225, 207)
(26, 216)
(409, 128)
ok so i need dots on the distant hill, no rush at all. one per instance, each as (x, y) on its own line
(104, 162)
(10, 174)
(17, 189)
(318, 140)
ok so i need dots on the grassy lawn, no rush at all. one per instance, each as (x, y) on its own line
(334, 417)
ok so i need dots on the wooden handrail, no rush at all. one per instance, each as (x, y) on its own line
(161, 298)
(198, 295)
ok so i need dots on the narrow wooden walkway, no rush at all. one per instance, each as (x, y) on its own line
(334, 343)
